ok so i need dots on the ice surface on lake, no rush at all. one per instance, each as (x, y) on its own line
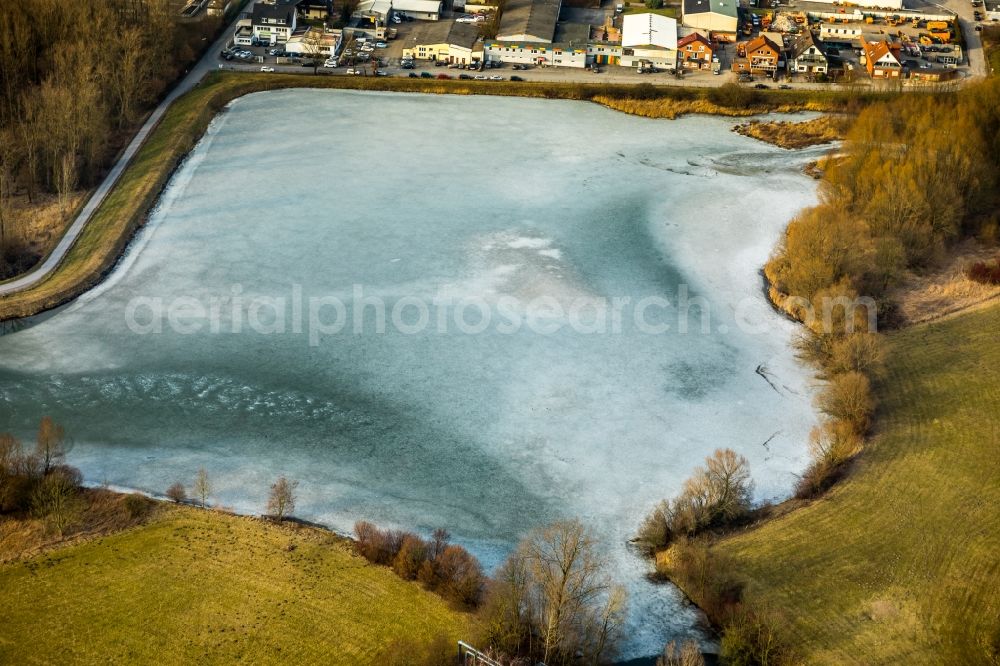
(489, 434)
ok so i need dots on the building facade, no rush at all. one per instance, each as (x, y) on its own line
(695, 52)
(807, 57)
(273, 23)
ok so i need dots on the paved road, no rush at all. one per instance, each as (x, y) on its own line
(207, 63)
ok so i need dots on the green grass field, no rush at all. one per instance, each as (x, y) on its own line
(900, 563)
(196, 586)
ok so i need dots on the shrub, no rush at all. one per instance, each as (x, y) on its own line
(655, 531)
(689, 654)
(750, 638)
(412, 554)
(136, 505)
(848, 398)
(984, 272)
(176, 492)
(732, 95)
(831, 445)
(56, 499)
(643, 91)
(459, 577)
(376, 545)
(654, 4)
(858, 352)
(717, 494)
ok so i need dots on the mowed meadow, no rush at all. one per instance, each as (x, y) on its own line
(199, 586)
(899, 563)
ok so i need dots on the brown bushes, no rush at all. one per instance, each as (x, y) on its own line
(847, 397)
(750, 633)
(831, 446)
(984, 272)
(717, 494)
(444, 568)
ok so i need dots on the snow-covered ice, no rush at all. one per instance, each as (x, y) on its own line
(497, 201)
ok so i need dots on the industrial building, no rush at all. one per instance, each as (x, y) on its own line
(649, 40)
(711, 15)
(445, 41)
(379, 10)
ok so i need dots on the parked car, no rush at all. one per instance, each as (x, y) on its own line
(762, 86)
(426, 75)
(267, 69)
(440, 63)
(465, 77)
(481, 77)
(414, 75)
(329, 65)
(516, 78)
(784, 86)
(351, 71)
(496, 77)
(381, 45)
(381, 72)
(444, 76)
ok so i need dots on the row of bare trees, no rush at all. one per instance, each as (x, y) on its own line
(281, 498)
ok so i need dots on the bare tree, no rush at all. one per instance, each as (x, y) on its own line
(129, 76)
(66, 181)
(281, 501)
(567, 580)
(50, 447)
(730, 487)
(687, 655)
(56, 499)
(202, 487)
(312, 45)
(176, 492)
(608, 624)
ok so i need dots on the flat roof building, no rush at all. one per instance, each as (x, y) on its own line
(529, 21)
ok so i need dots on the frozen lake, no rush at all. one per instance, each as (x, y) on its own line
(528, 256)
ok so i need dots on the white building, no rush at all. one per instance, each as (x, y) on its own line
(422, 10)
(649, 39)
(314, 42)
(273, 23)
(835, 32)
(568, 48)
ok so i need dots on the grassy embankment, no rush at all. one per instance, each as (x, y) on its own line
(197, 586)
(898, 563)
(124, 210)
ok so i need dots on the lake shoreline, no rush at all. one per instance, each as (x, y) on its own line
(115, 223)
